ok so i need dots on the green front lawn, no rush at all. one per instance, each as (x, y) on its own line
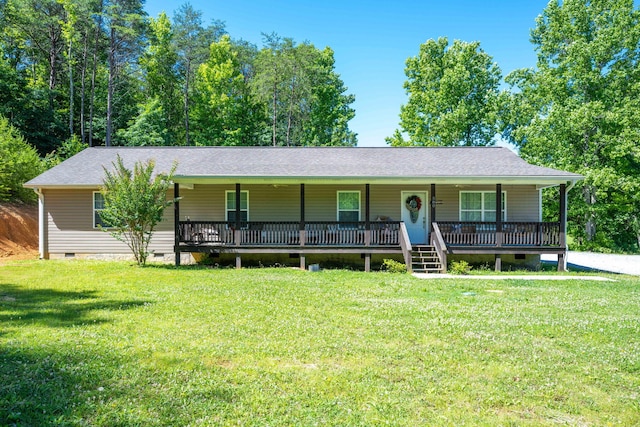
(109, 344)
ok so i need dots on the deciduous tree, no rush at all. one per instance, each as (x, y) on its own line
(303, 95)
(223, 103)
(579, 110)
(192, 41)
(161, 76)
(20, 162)
(453, 93)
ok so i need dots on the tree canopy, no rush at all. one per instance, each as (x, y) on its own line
(579, 111)
(104, 71)
(453, 94)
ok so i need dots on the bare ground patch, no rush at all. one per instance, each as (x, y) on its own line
(18, 231)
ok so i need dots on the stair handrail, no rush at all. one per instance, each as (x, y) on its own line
(405, 244)
(438, 243)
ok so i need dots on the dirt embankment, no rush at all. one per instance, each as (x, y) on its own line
(18, 231)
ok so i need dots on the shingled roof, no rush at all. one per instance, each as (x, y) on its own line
(310, 164)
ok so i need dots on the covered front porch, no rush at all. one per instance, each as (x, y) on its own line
(370, 236)
(388, 237)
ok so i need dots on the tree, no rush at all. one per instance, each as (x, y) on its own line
(134, 202)
(303, 95)
(579, 111)
(192, 42)
(162, 80)
(148, 128)
(20, 162)
(223, 103)
(330, 112)
(453, 93)
(34, 28)
(270, 75)
(125, 21)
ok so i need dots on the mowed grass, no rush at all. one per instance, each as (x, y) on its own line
(110, 344)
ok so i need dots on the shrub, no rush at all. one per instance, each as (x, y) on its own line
(459, 267)
(134, 202)
(19, 162)
(393, 266)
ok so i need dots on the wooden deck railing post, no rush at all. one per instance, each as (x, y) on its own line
(498, 262)
(433, 206)
(439, 244)
(498, 215)
(405, 244)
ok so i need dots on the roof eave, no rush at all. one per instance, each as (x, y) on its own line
(531, 180)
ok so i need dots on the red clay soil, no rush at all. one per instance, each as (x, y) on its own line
(18, 231)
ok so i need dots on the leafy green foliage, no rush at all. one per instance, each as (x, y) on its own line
(159, 65)
(579, 111)
(393, 266)
(160, 346)
(459, 267)
(453, 96)
(134, 203)
(222, 103)
(305, 99)
(69, 148)
(92, 68)
(20, 162)
(148, 128)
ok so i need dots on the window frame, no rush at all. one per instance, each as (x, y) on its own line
(226, 204)
(482, 209)
(102, 224)
(338, 210)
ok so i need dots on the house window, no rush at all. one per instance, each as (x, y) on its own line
(98, 206)
(481, 206)
(231, 206)
(348, 206)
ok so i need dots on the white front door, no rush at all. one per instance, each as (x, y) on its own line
(414, 205)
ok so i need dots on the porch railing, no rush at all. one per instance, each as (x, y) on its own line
(286, 233)
(512, 234)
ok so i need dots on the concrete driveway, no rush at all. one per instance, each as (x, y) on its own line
(624, 264)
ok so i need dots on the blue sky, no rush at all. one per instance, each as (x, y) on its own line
(373, 39)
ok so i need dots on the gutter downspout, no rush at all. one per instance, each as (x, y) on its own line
(42, 226)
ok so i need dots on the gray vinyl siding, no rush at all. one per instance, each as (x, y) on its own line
(70, 212)
(282, 202)
(70, 226)
(522, 201)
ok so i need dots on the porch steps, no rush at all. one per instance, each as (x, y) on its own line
(425, 259)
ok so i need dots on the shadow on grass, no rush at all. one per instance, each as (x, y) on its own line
(88, 387)
(36, 391)
(55, 308)
(49, 383)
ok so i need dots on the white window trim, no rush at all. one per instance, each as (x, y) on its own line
(94, 210)
(483, 192)
(226, 203)
(338, 210)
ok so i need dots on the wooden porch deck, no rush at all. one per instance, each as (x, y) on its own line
(291, 234)
(312, 237)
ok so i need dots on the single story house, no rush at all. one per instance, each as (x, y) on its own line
(420, 205)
